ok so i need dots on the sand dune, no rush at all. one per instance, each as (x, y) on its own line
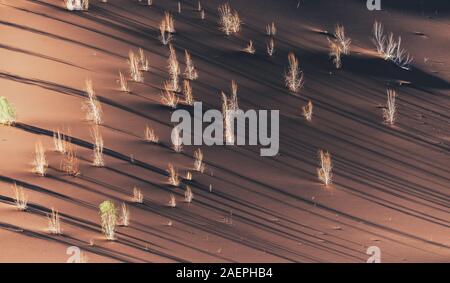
(391, 184)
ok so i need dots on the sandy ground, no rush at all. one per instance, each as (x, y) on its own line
(391, 184)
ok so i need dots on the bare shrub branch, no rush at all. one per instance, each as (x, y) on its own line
(20, 197)
(336, 53)
(172, 201)
(138, 196)
(198, 163)
(123, 83)
(271, 29)
(390, 110)
(108, 214)
(390, 49)
(187, 92)
(270, 47)
(60, 141)
(125, 215)
(92, 106)
(54, 223)
(308, 111)
(174, 69)
(150, 135)
(233, 101)
(324, 172)
(69, 163)
(168, 97)
(190, 72)
(228, 119)
(229, 21)
(77, 5)
(250, 48)
(40, 163)
(202, 14)
(170, 22)
(165, 37)
(174, 179)
(98, 147)
(188, 195)
(135, 70)
(341, 38)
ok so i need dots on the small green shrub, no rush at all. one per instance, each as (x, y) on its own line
(7, 112)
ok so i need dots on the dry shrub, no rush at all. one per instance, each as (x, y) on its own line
(190, 72)
(324, 172)
(308, 111)
(92, 106)
(77, 5)
(228, 118)
(168, 97)
(336, 53)
(202, 14)
(177, 142)
(188, 195)
(165, 37)
(125, 215)
(389, 48)
(150, 135)
(187, 92)
(294, 77)
(229, 21)
(198, 163)
(143, 61)
(98, 147)
(271, 29)
(20, 198)
(174, 179)
(233, 101)
(123, 83)
(390, 110)
(270, 47)
(172, 201)
(385, 45)
(60, 141)
(174, 69)
(135, 70)
(170, 23)
(342, 39)
(402, 58)
(138, 196)
(250, 48)
(108, 214)
(70, 163)
(54, 223)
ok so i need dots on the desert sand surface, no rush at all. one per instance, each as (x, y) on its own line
(391, 183)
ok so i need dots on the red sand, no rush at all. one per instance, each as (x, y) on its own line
(391, 186)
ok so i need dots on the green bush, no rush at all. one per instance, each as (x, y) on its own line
(7, 112)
